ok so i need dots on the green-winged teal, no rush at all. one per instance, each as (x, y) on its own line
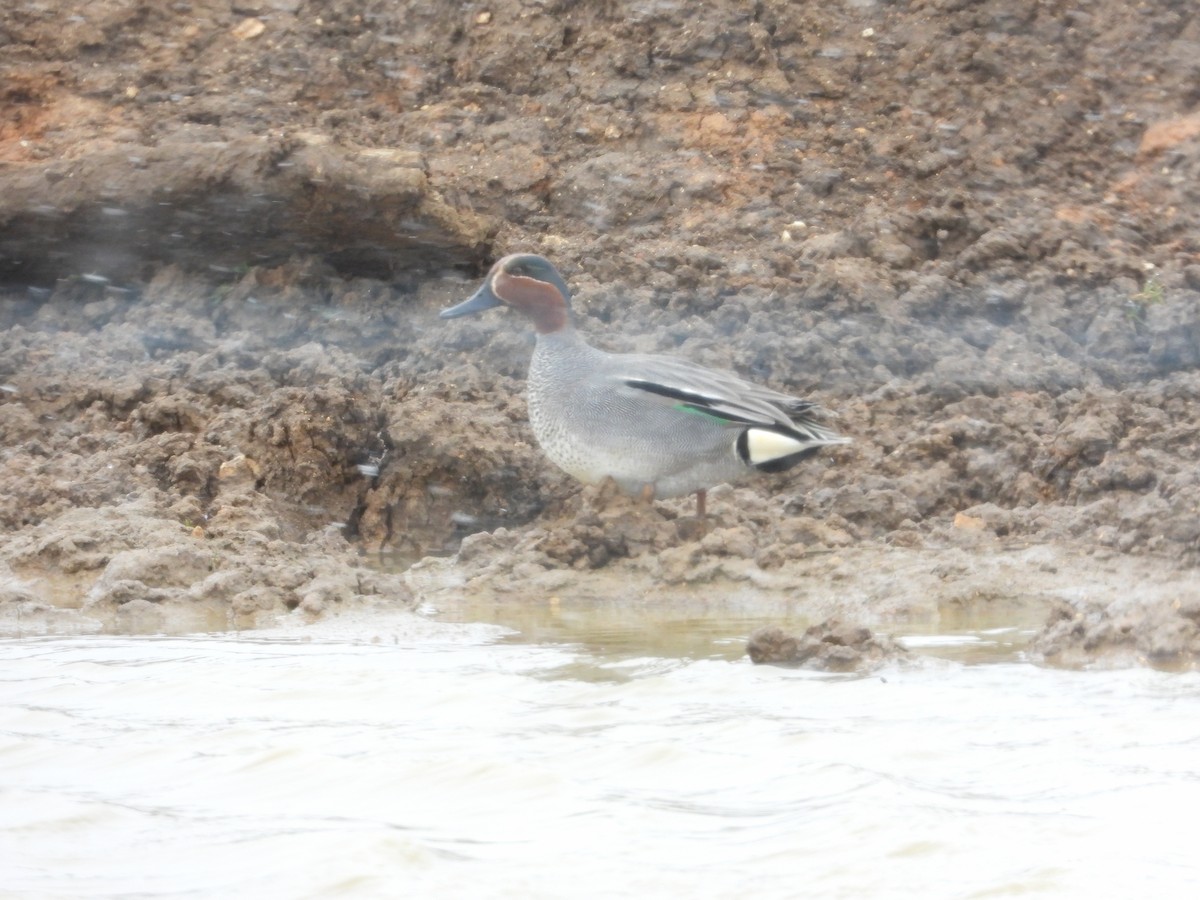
(657, 425)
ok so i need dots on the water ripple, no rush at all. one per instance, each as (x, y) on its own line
(235, 767)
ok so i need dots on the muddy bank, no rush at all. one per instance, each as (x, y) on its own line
(968, 228)
(1085, 604)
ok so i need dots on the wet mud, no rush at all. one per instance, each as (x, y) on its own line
(830, 646)
(969, 228)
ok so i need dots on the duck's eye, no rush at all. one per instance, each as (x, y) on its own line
(527, 270)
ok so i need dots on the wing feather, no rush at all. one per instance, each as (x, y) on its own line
(722, 395)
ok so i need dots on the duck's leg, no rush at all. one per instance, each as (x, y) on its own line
(701, 496)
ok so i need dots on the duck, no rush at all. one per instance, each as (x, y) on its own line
(658, 426)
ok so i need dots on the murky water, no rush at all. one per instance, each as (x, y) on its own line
(383, 757)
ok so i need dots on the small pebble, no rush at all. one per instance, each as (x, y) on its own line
(248, 28)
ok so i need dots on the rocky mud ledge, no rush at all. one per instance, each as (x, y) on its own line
(970, 228)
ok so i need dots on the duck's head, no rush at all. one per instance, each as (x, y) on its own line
(526, 282)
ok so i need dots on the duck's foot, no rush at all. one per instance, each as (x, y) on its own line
(692, 528)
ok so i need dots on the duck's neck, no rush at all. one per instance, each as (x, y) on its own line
(551, 320)
(563, 337)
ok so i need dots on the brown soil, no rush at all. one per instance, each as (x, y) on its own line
(970, 227)
(829, 646)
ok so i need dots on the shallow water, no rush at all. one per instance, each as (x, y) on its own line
(717, 629)
(378, 758)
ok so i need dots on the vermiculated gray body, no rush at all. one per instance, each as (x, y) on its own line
(593, 425)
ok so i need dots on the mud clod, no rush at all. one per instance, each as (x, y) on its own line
(831, 646)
